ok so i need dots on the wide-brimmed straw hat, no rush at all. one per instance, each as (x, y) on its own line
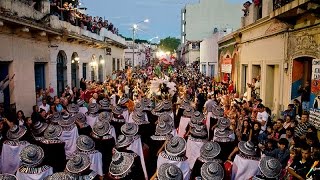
(129, 129)
(199, 131)
(188, 111)
(61, 175)
(247, 148)
(80, 102)
(163, 129)
(139, 117)
(85, 143)
(16, 132)
(124, 141)
(123, 100)
(105, 104)
(158, 107)
(138, 107)
(167, 105)
(185, 104)
(270, 167)
(121, 164)
(93, 108)
(78, 163)
(223, 123)
(101, 128)
(81, 118)
(53, 132)
(117, 110)
(197, 116)
(175, 146)
(147, 104)
(73, 108)
(67, 120)
(169, 171)
(31, 155)
(105, 116)
(212, 171)
(209, 151)
(56, 117)
(7, 177)
(39, 127)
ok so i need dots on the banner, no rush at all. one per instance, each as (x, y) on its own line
(226, 65)
(315, 84)
(314, 118)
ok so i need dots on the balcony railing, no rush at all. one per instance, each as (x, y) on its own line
(279, 3)
(25, 11)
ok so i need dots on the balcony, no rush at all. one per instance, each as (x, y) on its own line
(19, 10)
(289, 10)
(23, 10)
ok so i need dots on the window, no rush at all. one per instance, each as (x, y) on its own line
(118, 64)
(84, 70)
(183, 28)
(211, 69)
(183, 39)
(204, 70)
(113, 64)
(183, 16)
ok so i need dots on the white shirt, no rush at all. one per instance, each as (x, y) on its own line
(46, 107)
(113, 100)
(263, 117)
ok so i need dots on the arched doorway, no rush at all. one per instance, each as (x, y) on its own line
(61, 72)
(75, 70)
(301, 74)
(100, 69)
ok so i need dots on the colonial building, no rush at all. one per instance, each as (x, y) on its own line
(277, 42)
(43, 51)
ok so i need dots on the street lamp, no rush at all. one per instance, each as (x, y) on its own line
(150, 40)
(134, 28)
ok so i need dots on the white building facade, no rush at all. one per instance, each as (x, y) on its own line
(51, 54)
(209, 53)
(199, 21)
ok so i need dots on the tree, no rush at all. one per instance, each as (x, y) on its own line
(169, 44)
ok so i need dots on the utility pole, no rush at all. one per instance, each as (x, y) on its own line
(133, 42)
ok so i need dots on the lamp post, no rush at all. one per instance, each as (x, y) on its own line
(134, 28)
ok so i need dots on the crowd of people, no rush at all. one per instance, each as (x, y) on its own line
(158, 124)
(70, 13)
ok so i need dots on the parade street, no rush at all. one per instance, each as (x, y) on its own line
(160, 90)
